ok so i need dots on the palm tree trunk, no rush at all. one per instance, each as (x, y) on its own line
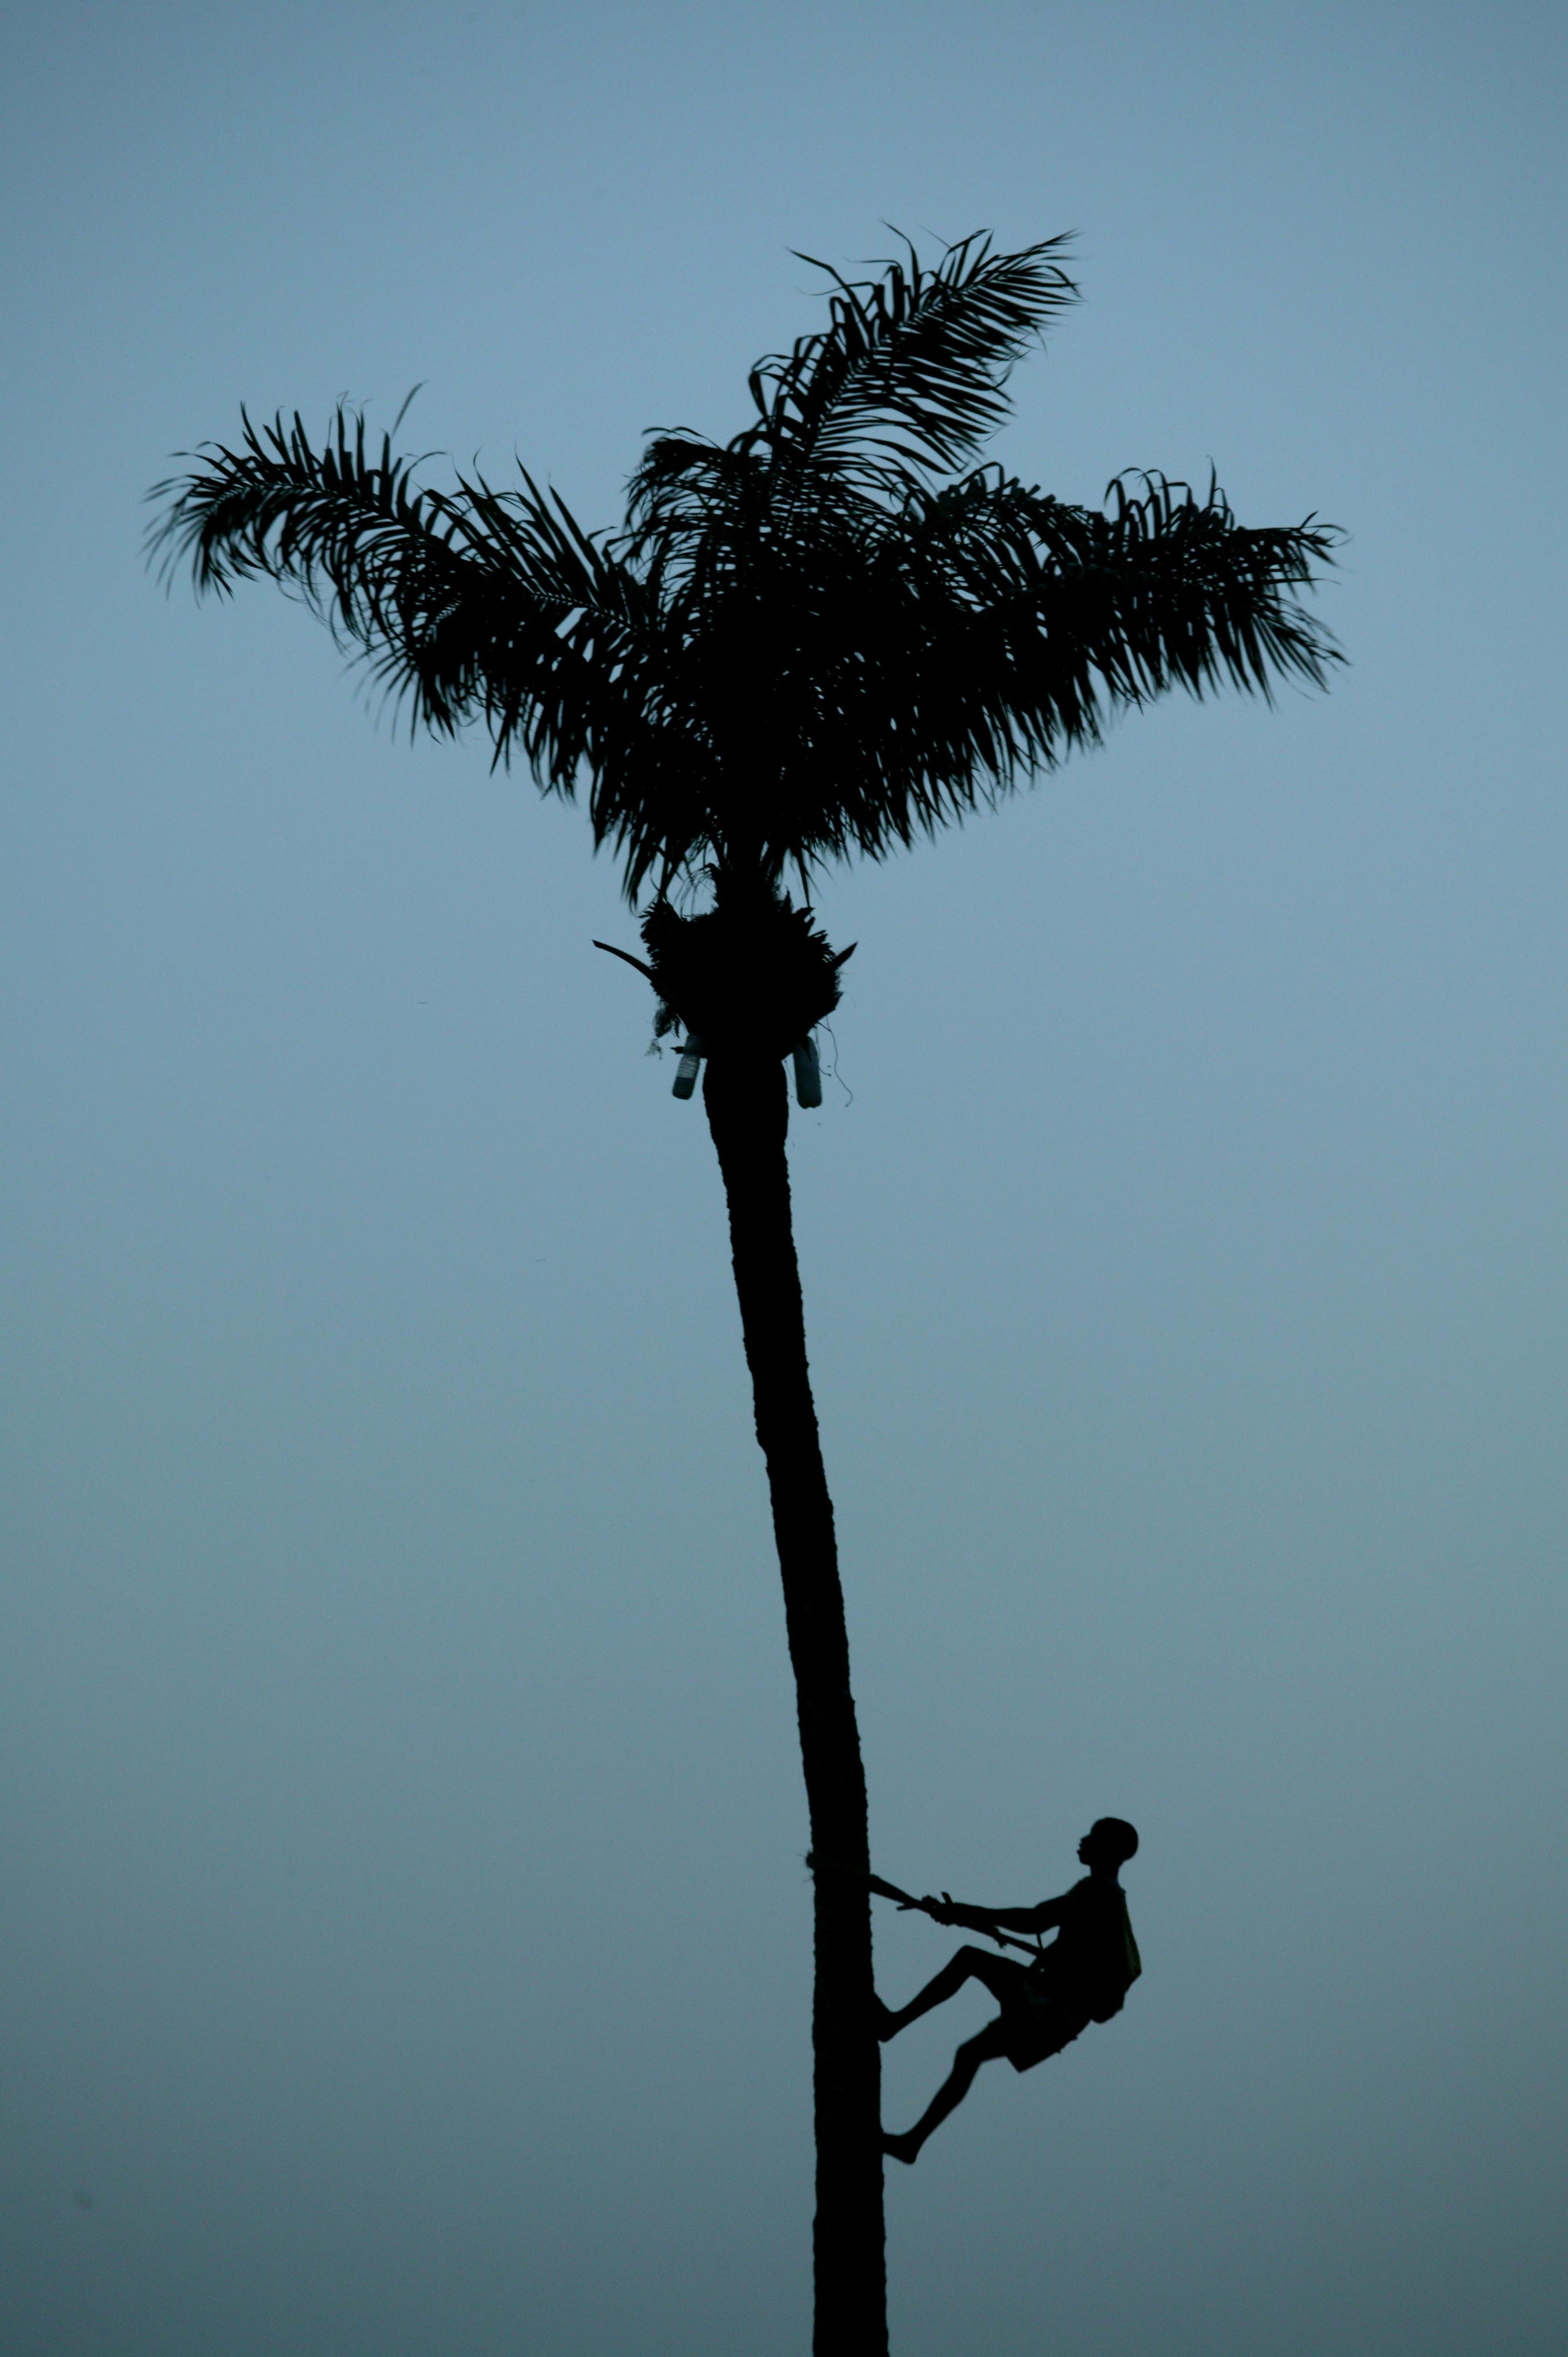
(749, 1115)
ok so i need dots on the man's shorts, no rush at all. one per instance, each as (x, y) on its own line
(1034, 2029)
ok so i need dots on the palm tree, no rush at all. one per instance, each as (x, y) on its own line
(831, 634)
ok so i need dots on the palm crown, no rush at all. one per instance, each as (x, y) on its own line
(827, 634)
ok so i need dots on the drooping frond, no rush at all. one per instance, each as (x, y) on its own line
(474, 605)
(1189, 597)
(913, 365)
(1076, 610)
(1031, 620)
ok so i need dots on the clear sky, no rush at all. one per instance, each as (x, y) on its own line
(401, 1827)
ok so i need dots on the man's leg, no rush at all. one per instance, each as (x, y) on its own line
(988, 2046)
(993, 1971)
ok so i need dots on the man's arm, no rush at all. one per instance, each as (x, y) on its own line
(947, 1910)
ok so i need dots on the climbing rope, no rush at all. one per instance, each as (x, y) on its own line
(906, 1898)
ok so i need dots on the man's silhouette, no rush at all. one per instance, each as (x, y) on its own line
(1081, 1977)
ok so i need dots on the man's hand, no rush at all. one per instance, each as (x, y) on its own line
(945, 1909)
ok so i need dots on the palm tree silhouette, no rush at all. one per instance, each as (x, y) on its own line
(831, 634)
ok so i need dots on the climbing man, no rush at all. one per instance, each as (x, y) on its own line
(1081, 1977)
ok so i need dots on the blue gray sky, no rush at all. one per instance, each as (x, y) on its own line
(406, 1930)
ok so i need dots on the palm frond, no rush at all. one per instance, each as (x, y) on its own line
(473, 605)
(278, 506)
(913, 365)
(1174, 592)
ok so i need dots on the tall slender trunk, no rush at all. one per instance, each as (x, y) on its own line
(749, 1115)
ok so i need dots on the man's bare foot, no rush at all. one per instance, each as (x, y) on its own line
(901, 2147)
(888, 2025)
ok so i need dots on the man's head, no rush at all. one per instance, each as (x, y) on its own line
(1109, 1843)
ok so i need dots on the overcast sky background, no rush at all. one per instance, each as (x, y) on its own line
(407, 1932)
